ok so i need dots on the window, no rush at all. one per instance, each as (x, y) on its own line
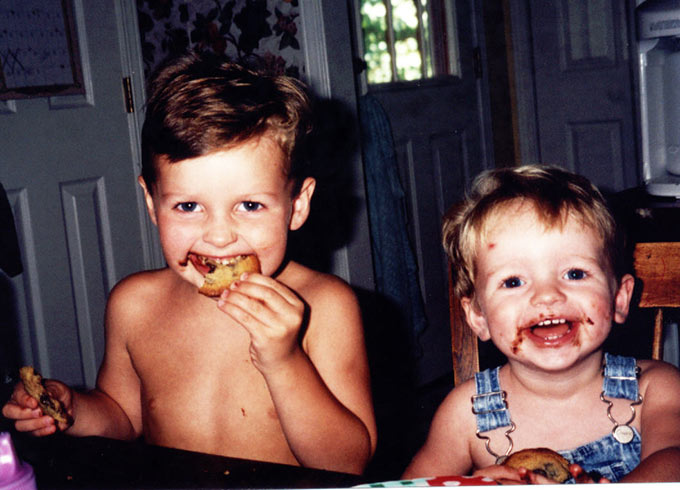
(403, 42)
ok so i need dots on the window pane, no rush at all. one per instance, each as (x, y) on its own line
(405, 22)
(376, 49)
(428, 58)
(397, 40)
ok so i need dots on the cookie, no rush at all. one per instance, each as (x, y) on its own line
(33, 384)
(541, 460)
(224, 272)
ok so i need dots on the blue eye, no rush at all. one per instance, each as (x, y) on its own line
(512, 282)
(187, 207)
(251, 206)
(575, 274)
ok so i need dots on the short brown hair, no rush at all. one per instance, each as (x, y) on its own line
(199, 103)
(554, 193)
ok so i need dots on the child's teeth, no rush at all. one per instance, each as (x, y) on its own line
(554, 321)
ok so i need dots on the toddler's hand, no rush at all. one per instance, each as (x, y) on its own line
(506, 475)
(503, 474)
(270, 312)
(27, 414)
(580, 476)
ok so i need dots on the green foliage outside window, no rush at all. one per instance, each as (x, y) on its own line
(408, 41)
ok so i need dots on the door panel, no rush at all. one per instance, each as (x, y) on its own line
(585, 106)
(69, 165)
(442, 142)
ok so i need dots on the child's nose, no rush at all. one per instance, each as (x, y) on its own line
(547, 292)
(219, 231)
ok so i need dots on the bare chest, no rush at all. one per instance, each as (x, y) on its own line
(200, 390)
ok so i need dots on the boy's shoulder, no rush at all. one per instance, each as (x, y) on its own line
(140, 290)
(657, 372)
(316, 287)
(143, 282)
(658, 380)
(458, 402)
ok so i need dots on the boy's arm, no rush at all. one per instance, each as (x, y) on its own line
(323, 397)
(95, 412)
(113, 408)
(660, 426)
(446, 450)
(322, 393)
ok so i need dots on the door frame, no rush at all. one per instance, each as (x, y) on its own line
(132, 65)
(328, 66)
(524, 93)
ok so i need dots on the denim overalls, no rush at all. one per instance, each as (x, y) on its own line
(606, 456)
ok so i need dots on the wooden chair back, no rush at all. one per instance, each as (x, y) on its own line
(464, 348)
(657, 269)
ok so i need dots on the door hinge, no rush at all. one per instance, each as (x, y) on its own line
(477, 62)
(127, 91)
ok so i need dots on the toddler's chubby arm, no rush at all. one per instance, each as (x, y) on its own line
(660, 424)
(447, 448)
(320, 386)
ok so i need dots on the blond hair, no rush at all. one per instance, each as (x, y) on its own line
(554, 193)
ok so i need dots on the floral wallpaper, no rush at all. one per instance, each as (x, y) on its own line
(263, 33)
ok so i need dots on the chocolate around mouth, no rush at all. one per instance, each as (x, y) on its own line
(551, 329)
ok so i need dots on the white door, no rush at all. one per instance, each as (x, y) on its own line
(442, 140)
(69, 165)
(576, 88)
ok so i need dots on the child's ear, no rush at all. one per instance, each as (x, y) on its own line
(302, 204)
(148, 199)
(623, 297)
(475, 318)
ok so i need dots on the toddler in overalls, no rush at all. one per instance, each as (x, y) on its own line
(541, 272)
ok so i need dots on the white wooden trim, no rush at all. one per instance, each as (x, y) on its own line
(316, 71)
(133, 67)
(525, 84)
(27, 285)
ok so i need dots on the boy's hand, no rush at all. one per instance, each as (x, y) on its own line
(27, 414)
(270, 312)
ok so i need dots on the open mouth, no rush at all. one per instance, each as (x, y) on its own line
(207, 265)
(552, 331)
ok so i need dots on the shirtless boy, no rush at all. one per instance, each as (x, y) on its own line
(275, 369)
(538, 274)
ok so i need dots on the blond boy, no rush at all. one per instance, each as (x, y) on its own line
(540, 274)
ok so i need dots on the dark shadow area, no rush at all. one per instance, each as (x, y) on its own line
(330, 151)
(9, 344)
(402, 411)
(641, 218)
(395, 399)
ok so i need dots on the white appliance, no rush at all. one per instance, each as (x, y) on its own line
(658, 24)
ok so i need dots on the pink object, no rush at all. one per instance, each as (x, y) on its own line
(434, 481)
(14, 474)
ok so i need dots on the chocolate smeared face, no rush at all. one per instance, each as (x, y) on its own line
(551, 332)
(230, 202)
(543, 293)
